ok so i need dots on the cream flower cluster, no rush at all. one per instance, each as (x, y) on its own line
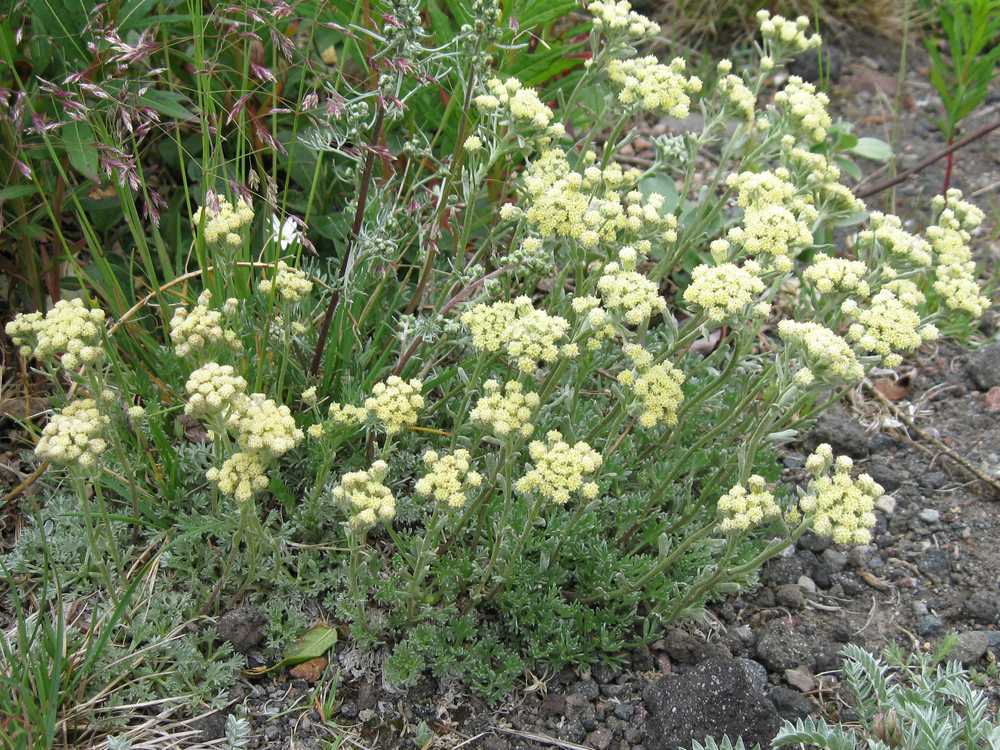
(725, 290)
(597, 323)
(74, 435)
(506, 408)
(347, 415)
(365, 498)
(530, 256)
(223, 224)
(886, 231)
(265, 427)
(955, 269)
(214, 390)
(790, 35)
(841, 507)
(816, 173)
(824, 350)
(735, 92)
(292, 283)
(775, 231)
(191, 331)
(653, 86)
(589, 207)
(559, 470)
(395, 403)
(829, 274)
(627, 291)
(241, 476)
(656, 386)
(806, 108)
(528, 336)
(448, 478)
(743, 508)
(760, 189)
(521, 102)
(70, 330)
(887, 326)
(617, 15)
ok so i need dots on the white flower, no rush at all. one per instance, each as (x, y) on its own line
(285, 233)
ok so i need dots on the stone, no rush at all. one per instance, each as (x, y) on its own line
(929, 515)
(814, 542)
(624, 711)
(858, 556)
(807, 584)
(886, 503)
(983, 607)
(780, 648)
(984, 367)
(835, 559)
(929, 625)
(841, 431)
(790, 704)
(587, 689)
(801, 679)
(600, 739)
(756, 672)
(243, 628)
(783, 570)
(554, 704)
(818, 67)
(934, 563)
(717, 697)
(790, 595)
(970, 647)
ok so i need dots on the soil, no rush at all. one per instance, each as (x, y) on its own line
(933, 567)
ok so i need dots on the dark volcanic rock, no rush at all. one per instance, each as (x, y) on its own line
(716, 698)
(242, 627)
(780, 648)
(984, 367)
(842, 432)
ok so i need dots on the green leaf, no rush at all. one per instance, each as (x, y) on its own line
(872, 148)
(78, 140)
(312, 644)
(168, 103)
(664, 186)
(849, 167)
(17, 191)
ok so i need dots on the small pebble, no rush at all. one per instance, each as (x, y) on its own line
(930, 515)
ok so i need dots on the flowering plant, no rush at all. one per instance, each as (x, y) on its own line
(530, 414)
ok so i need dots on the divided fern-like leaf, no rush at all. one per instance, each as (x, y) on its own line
(814, 732)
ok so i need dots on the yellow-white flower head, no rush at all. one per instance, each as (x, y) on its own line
(521, 102)
(365, 498)
(888, 326)
(266, 427)
(805, 108)
(395, 403)
(841, 507)
(760, 189)
(618, 16)
(956, 212)
(789, 35)
(736, 95)
(75, 435)
(292, 284)
(657, 387)
(201, 327)
(824, 350)
(829, 274)
(69, 330)
(774, 230)
(242, 475)
(886, 231)
(506, 409)
(955, 269)
(724, 291)
(347, 414)
(647, 83)
(627, 291)
(743, 508)
(449, 478)
(224, 222)
(214, 390)
(559, 470)
(528, 336)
